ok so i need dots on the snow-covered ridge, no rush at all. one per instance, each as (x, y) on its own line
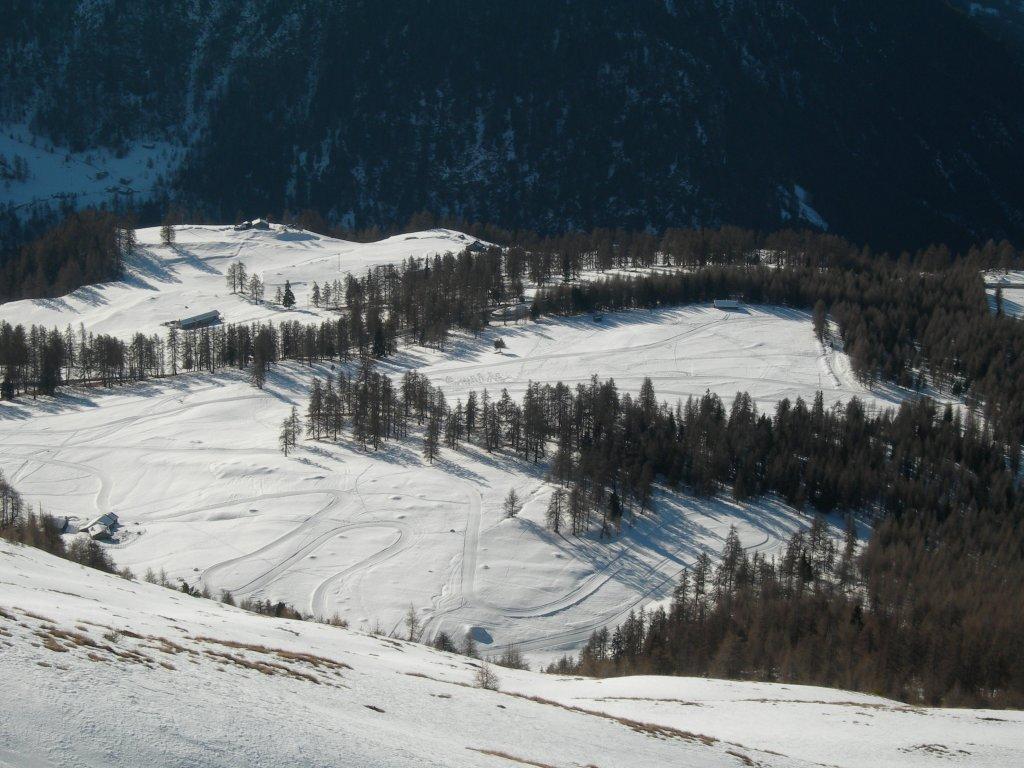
(121, 673)
(164, 283)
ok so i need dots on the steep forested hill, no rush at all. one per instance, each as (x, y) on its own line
(891, 123)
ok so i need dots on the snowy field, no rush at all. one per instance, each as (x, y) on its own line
(107, 672)
(191, 464)
(769, 352)
(192, 469)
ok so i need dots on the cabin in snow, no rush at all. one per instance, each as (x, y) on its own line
(102, 527)
(254, 224)
(196, 321)
(727, 304)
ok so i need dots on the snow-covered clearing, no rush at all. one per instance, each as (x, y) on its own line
(770, 352)
(191, 465)
(100, 671)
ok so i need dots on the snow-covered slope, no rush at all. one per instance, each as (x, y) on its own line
(770, 352)
(192, 468)
(190, 464)
(99, 671)
(38, 174)
(170, 282)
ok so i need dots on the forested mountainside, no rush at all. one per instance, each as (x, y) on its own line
(894, 124)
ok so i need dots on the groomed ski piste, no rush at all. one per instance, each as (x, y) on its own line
(101, 671)
(191, 467)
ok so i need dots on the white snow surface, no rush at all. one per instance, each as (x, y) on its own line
(191, 467)
(101, 671)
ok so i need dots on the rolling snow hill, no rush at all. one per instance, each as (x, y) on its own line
(164, 283)
(100, 671)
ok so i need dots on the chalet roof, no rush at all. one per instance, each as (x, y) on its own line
(107, 520)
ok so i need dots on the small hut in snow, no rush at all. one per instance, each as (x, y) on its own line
(102, 527)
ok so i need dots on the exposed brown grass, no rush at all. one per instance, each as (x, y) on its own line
(62, 640)
(650, 729)
(309, 658)
(164, 645)
(69, 636)
(745, 759)
(511, 758)
(648, 698)
(265, 667)
(233, 644)
(318, 662)
(51, 644)
(35, 616)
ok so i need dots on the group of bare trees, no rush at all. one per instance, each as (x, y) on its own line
(240, 281)
(11, 504)
(86, 247)
(330, 296)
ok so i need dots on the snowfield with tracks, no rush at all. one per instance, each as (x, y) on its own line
(190, 464)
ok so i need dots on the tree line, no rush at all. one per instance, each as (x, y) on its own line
(607, 449)
(920, 320)
(917, 321)
(85, 247)
(929, 612)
